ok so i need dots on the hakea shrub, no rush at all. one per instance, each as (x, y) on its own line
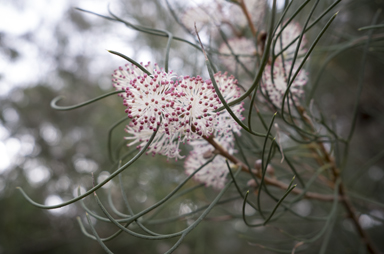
(167, 110)
(182, 109)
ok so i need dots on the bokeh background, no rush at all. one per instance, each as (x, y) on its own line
(48, 48)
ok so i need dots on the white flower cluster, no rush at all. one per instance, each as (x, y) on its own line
(182, 110)
(231, 17)
(275, 81)
(215, 173)
(288, 43)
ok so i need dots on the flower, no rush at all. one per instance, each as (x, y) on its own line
(275, 89)
(214, 174)
(230, 91)
(146, 95)
(163, 143)
(275, 84)
(197, 101)
(290, 32)
(149, 99)
(180, 109)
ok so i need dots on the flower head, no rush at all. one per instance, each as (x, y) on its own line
(180, 109)
(288, 35)
(163, 143)
(215, 173)
(146, 96)
(230, 91)
(275, 83)
(196, 102)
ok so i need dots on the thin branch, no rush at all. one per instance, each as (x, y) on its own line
(246, 13)
(270, 181)
(342, 192)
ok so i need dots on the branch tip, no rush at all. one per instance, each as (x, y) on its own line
(201, 44)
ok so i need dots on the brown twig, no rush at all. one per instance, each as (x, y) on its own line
(248, 17)
(262, 35)
(270, 181)
(309, 195)
(274, 182)
(342, 193)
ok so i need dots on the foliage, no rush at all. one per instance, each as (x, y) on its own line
(287, 183)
